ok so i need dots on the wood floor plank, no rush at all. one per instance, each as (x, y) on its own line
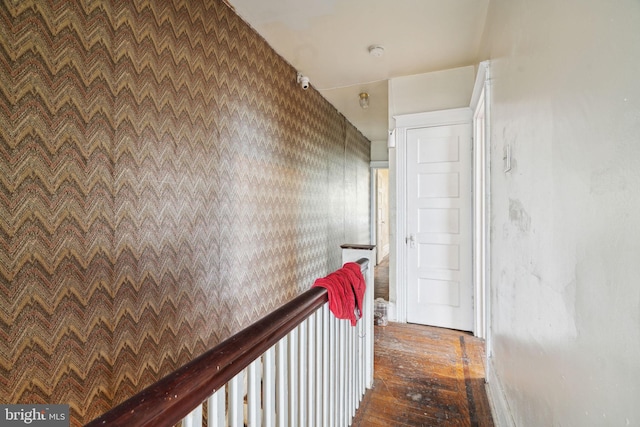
(425, 376)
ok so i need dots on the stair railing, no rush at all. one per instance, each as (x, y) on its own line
(297, 366)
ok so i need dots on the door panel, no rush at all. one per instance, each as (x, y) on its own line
(440, 291)
(439, 220)
(438, 185)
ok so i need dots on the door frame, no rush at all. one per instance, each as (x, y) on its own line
(374, 165)
(403, 124)
(480, 104)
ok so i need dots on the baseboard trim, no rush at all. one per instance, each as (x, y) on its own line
(391, 312)
(495, 392)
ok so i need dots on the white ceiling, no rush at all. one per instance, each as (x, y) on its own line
(328, 41)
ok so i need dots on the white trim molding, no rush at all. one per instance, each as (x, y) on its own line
(433, 118)
(379, 164)
(373, 165)
(401, 227)
(482, 77)
(502, 416)
(480, 106)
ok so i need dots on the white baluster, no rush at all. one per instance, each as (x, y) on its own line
(355, 369)
(350, 361)
(333, 379)
(326, 366)
(311, 390)
(319, 402)
(253, 394)
(236, 401)
(303, 362)
(216, 409)
(361, 356)
(345, 371)
(341, 373)
(348, 365)
(293, 378)
(355, 394)
(269, 388)
(194, 419)
(349, 374)
(282, 383)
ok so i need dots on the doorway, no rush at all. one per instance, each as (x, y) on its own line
(442, 276)
(380, 227)
(382, 214)
(477, 116)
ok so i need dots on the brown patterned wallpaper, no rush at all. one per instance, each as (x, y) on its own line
(163, 183)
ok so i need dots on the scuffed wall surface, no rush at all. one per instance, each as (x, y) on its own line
(163, 183)
(565, 236)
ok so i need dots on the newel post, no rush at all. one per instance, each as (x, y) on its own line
(352, 253)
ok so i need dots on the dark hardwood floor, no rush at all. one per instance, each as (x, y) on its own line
(425, 376)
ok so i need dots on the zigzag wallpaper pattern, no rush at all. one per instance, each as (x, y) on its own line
(164, 182)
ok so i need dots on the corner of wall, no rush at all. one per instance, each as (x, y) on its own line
(379, 151)
(497, 400)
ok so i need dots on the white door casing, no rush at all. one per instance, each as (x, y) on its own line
(481, 188)
(375, 166)
(434, 267)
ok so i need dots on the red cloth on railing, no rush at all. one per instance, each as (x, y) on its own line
(345, 289)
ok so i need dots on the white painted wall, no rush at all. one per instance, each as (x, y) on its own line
(565, 222)
(379, 151)
(440, 90)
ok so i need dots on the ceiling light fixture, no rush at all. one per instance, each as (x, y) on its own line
(376, 50)
(364, 99)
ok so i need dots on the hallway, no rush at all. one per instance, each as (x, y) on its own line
(381, 280)
(425, 376)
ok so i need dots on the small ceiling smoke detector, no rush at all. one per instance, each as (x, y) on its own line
(376, 51)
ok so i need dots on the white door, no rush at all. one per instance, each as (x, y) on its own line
(439, 287)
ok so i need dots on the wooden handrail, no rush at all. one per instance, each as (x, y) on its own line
(170, 399)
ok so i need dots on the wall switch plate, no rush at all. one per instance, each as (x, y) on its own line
(506, 160)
